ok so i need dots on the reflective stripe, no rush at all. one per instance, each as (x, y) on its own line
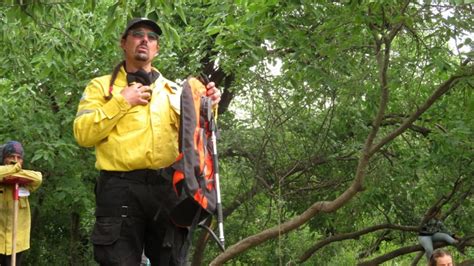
(83, 112)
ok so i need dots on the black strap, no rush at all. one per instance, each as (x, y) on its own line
(183, 252)
(121, 211)
(214, 236)
(141, 76)
(143, 176)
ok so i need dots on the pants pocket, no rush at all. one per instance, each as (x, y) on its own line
(106, 230)
(105, 235)
(23, 202)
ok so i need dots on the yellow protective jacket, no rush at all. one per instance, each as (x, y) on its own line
(6, 209)
(129, 138)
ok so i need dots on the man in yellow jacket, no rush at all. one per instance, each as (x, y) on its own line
(12, 160)
(131, 117)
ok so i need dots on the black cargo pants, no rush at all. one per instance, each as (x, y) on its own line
(132, 215)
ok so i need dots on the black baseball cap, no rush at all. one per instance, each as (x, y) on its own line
(145, 21)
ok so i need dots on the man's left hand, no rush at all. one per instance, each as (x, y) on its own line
(213, 92)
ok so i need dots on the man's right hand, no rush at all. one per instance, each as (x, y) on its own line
(137, 94)
(17, 167)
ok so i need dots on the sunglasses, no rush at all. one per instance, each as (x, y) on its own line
(139, 34)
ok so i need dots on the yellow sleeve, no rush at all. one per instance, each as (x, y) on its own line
(7, 170)
(35, 177)
(96, 117)
(175, 102)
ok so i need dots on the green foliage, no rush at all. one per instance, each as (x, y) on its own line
(306, 89)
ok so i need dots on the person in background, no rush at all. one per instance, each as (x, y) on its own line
(11, 168)
(441, 257)
(131, 117)
(434, 230)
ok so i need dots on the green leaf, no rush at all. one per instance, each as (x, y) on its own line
(213, 30)
(181, 14)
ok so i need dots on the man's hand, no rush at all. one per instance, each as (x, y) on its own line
(137, 94)
(17, 167)
(213, 92)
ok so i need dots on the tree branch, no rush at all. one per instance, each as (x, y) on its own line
(440, 91)
(354, 235)
(406, 250)
(323, 206)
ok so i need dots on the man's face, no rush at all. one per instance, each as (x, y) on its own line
(444, 261)
(140, 44)
(12, 159)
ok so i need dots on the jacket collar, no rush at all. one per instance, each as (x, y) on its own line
(121, 81)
